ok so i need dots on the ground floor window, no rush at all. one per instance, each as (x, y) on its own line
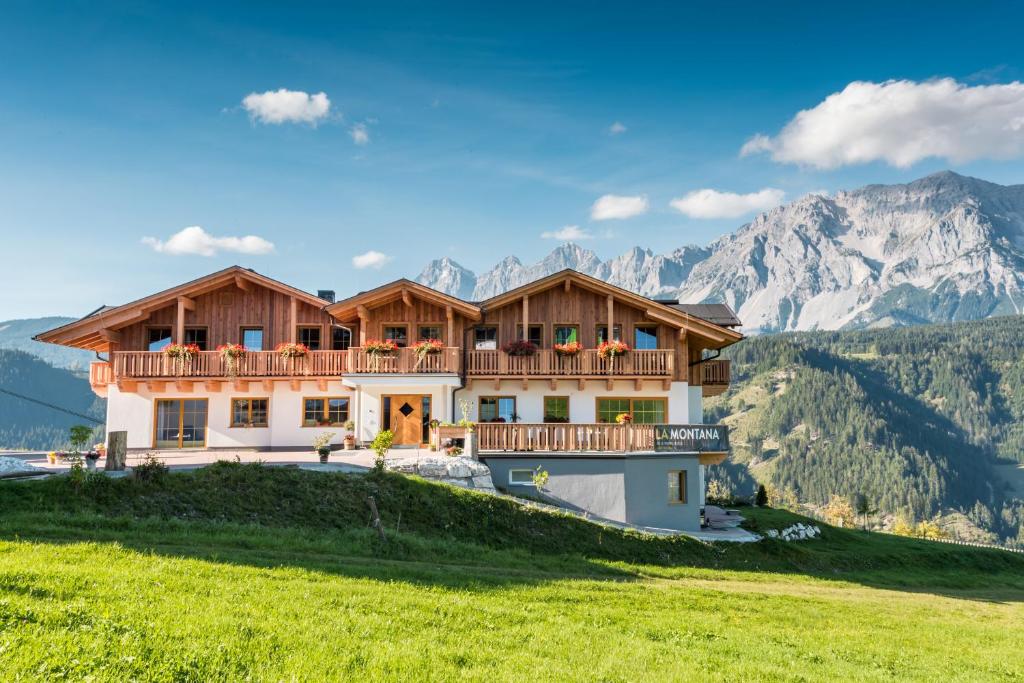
(324, 412)
(180, 423)
(643, 410)
(677, 486)
(520, 477)
(498, 409)
(556, 408)
(250, 412)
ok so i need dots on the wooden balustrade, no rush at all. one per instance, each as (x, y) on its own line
(100, 375)
(547, 363)
(406, 361)
(715, 376)
(564, 437)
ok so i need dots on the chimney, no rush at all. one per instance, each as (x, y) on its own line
(326, 294)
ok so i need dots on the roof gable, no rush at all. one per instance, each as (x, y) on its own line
(348, 309)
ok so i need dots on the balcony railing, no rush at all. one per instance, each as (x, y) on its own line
(210, 364)
(579, 438)
(715, 376)
(547, 363)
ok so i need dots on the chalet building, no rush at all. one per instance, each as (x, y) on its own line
(528, 399)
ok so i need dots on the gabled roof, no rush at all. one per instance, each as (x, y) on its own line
(719, 314)
(92, 331)
(348, 309)
(718, 334)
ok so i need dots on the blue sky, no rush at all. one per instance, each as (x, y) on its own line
(482, 129)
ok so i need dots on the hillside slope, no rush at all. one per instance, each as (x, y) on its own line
(16, 335)
(914, 418)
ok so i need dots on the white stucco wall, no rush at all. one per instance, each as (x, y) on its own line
(134, 412)
(371, 389)
(582, 404)
(695, 416)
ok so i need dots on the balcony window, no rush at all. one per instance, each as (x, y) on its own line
(498, 409)
(310, 337)
(249, 412)
(341, 339)
(429, 332)
(197, 336)
(565, 334)
(602, 333)
(645, 337)
(324, 412)
(157, 338)
(485, 337)
(556, 408)
(252, 338)
(536, 334)
(398, 334)
(677, 487)
(643, 410)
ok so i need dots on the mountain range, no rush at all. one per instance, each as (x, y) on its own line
(940, 249)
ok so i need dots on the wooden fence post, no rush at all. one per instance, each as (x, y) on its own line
(117, 451)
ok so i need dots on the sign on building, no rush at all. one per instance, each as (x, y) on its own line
(691, 438)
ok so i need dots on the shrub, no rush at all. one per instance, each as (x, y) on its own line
(761, 499)
(151, 469)
(381, 445)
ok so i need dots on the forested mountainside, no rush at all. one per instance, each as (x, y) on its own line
(921, 420)
(17, 335)
(32, 426)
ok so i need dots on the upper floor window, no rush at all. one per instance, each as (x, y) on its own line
(565, 334)
(310, 337)
(429, 332)
(645, 337)
(252, 338)
(602, 333)
(157, 338)
(536, 334)
(485, 337)
(197, 336)
(397, 333)
(341, 338)
(556, 408)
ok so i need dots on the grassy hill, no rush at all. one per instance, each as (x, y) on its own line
(923, 421)
(29, 425)
(243, 572)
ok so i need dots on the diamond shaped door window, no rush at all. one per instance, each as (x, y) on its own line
(405, 409)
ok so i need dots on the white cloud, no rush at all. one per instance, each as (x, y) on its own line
(371, 259)
(195, 240)
(618, 206)
(360, 135)
(617, 128)
(714, 204)
(901, 123)
(286, 106)
(568, 233)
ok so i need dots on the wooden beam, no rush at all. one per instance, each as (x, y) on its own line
(609, 384)
(712, 458)
(568, 285)
(364, 322)
(553, 383)
(295, 384)
(581, 384)
(293, 318)
(179, 322)
(128, 385)
(469, 383)
(666, 384)
(450, 314)
(526, 383)
(406, 299)
(638, 384)
(112, 336)
(242, 283)
(526, 317)
(241, 385)
(268, 385)
(184, 386)
(213, 386)
(189, 304)
(156, 385)
(611, 319)
(321, 384)
(497, 383)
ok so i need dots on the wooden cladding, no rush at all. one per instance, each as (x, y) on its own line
(547, 363)
(561, 438)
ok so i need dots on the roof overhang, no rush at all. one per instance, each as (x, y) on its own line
(348, 310)
(98, 330)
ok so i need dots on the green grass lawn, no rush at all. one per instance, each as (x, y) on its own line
(240, 572)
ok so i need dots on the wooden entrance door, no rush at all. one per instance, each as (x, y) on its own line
(408, 415)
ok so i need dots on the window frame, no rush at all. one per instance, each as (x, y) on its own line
(319, 333)
(385, 326)
(681, 482)
(497, 336)
(519, 470)
(554, 332)
(533, 326)
(632, 410)
(568, 413)
(205, 346)
(231, 417)
(437, 326)
(263, 336)
(645, 326)
(480, 405)
(325, 411)
(334, 347)
(170, 337)
(597, 332)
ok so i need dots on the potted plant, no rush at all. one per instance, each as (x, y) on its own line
(291, 350)
(426, 347)
(231, 354)
(181, 354)
(90, 460)
(569, 349)
(610, 350)
(624, 419)
(350, 436)
(322, 445)
(377, 349)
(520, 347)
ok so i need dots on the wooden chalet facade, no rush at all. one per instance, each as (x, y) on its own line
(265, 400)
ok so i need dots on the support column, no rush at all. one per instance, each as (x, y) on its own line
(179, 323)
(526, 317)
(293, 319)
(611, 318)
(450, 313)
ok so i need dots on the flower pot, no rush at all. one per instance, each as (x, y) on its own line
(90, 464)
(350, 443)
(324, 453)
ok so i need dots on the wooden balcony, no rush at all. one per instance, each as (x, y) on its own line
(100, 375)
(564, 438)
(405, 361)
(715, 376)
(659, 363)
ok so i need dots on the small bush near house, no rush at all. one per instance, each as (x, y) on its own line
(150, 469)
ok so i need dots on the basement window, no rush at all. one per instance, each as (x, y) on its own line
(520, 477)
(677, 487)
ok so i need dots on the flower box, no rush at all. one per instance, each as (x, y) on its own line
(520, 347)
